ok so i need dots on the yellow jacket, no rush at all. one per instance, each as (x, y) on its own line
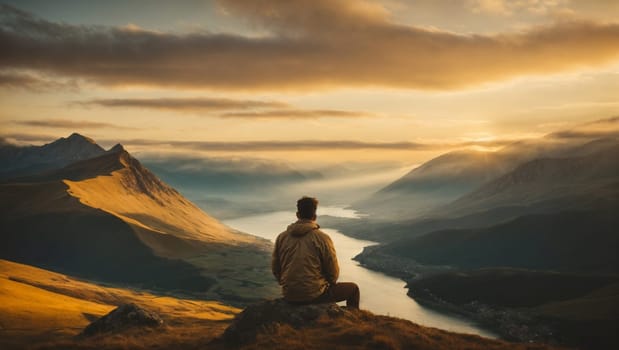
(304, 261)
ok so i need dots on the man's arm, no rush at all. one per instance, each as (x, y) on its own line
(330, 267)
(275, 263)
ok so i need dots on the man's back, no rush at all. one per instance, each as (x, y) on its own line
(304, 261)
(305, 264)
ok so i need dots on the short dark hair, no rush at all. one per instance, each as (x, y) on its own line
(306, 207)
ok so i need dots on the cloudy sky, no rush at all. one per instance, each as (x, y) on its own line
(306, 81)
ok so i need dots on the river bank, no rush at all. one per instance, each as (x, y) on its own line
(509, 324)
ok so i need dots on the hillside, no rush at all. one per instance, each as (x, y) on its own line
(45, 310)
(39, 306)
(134, 194)
(545, 179)
(427, 191)
(436, 182)
(575, 309)
(567, 241)
(99, 216)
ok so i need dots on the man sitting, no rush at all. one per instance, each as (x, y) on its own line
(305, 264)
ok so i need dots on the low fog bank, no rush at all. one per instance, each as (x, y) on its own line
(234, 187)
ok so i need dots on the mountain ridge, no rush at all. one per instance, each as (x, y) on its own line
(538, 241)
(542, 179)
(435, 182)
(86, 199)
(431, 187)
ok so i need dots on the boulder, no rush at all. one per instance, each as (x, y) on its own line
(123, 317)
(262, 316)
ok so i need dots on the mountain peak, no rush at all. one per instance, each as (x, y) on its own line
(76, 142)
(75, 147)
(117, 148)
(75, 137)
(28, 160)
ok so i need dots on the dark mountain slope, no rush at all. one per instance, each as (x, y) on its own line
(573, 309)
(566, 241)
(53, 230)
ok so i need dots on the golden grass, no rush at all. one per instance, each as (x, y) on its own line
(197, 335)
(171, 213)
(39, 304)
(28, 277)
(26, 307)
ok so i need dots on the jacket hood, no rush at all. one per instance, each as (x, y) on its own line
(302, 227)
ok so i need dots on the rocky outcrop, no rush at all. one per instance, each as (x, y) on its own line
(123, 317)
(262, 316)
(277, 325)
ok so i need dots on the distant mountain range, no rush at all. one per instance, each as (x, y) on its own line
(436, 182)
(442, 186)
(593, 171)
(557, 214)
(74, 207)
(574, 241)
(20, 161)
(519, 218)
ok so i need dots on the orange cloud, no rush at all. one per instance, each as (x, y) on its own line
(292, 113)
(28, 81)
(184, 104)
(313, 44)
(69, 124)
(237, 108)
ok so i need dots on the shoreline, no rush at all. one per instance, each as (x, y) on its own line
(516, 325)
(507, 323)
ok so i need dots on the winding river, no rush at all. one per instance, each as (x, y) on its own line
(380, 293)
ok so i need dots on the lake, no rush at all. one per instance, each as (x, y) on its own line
(380, 294)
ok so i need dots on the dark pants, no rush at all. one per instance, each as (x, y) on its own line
(339, 292)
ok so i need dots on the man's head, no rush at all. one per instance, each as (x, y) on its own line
(306, 208)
